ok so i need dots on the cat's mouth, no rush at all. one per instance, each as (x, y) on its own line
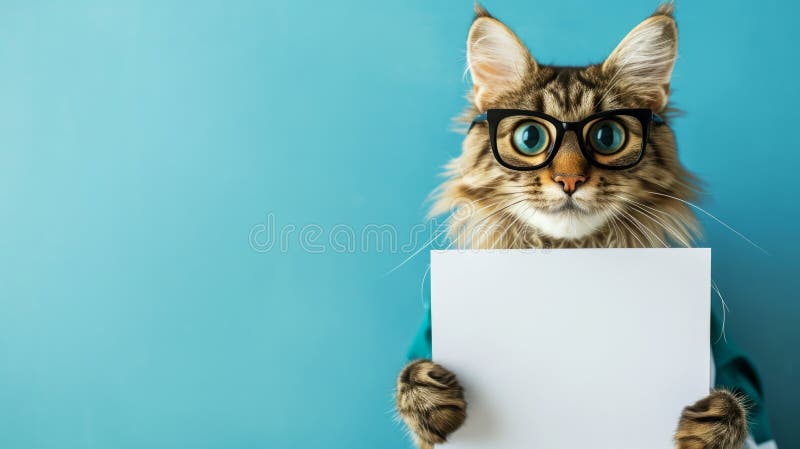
(568, 205)
(569, 219)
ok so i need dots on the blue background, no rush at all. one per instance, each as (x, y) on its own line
(142, 142)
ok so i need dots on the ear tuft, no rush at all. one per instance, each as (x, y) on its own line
(643, 61)
(498, 61)
(665, 9)
(480, 11)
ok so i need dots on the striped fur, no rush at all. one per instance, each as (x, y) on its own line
(719, 421)
(493, 207)
(431, 401)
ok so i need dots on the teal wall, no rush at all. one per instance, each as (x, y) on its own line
(142, 142)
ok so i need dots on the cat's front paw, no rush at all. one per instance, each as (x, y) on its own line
(718, 421)
(430, 401)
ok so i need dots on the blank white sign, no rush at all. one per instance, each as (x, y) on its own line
(573, 348)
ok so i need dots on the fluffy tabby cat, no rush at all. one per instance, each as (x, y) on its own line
(568, 203)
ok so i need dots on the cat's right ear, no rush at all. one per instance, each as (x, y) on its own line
(498, 61)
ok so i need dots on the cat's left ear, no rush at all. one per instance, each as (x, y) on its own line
(643, 61)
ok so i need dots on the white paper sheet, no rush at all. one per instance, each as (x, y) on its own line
(575, 348)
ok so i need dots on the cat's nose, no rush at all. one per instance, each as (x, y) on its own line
(570, 183)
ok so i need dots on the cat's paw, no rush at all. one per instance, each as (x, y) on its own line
(718, 421)
(430, 401)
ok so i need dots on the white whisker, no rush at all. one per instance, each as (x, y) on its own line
(724, 311)
(669, 229)
(415, 253)
(423, 247)
(422, 284)
(643, 228)
(630, 230)
(712, 216)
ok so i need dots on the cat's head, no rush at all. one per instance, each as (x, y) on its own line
(569, 202)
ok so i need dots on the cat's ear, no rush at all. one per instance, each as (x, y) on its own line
(644, 59)
(498, 61)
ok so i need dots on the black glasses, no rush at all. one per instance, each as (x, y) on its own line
(528, 140)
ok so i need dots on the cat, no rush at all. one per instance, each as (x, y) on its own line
(569, 201)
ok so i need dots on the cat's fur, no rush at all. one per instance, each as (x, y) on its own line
(494, 207)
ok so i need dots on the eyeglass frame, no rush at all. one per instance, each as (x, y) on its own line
(493, 117)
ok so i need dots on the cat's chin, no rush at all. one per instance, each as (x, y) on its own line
(567, 222)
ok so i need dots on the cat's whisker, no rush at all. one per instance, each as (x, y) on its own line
(648, 228)
(464, 227)
(486, 234)
(669, 229)
(416, 252)
(519, 220)
(515, 218)
(644, 228)
(689, 203)
(651, 231)
(498, 237)
(625, 236)
(630, 223)
(635, 232)
(684, 227)
(422, 284)
(612, 226)
(446, 230)
(429, 242)
(630, 229)
(671, 232)
(474, 227)
(724, 311)
(617, 232)
(619, 235)
(513, 188)
(631, 200)
(458, 234)
(511, 193)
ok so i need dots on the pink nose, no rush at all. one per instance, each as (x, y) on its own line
(570, 183)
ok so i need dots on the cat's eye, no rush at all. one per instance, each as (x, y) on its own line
(607, 136)
(530, 138)
(523, 140)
